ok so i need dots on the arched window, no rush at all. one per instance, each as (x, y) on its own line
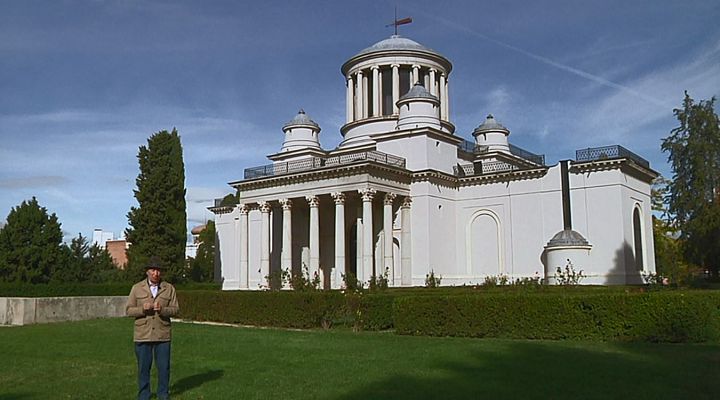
(638, 239)
(484, 246)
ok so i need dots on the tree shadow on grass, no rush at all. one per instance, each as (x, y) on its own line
(197, 380)
(542, 370)
(14, 396)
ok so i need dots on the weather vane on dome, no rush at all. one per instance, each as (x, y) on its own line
(397, 21)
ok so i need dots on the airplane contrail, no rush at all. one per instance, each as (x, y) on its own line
(594, 78)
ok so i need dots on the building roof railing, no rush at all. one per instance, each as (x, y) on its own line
(609, 152)
(470, 147)
(312, 163)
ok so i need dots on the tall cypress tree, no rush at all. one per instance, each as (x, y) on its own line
(158, 225)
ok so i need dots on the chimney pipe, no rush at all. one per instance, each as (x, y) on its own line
(565, 185)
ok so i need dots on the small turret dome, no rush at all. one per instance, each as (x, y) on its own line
(301, 120)
(418, 91)
(301, 132)
(490, 125)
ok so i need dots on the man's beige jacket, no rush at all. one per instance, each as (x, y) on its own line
(150, 325)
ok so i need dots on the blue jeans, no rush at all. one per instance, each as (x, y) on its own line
(145, 352)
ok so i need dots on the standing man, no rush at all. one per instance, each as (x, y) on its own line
(152, 302)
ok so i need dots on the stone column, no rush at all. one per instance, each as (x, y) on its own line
(443, 99)
(389, 265)
(447, 98)
(405, 248)
(350, 99)
(368, 243)
(381, 100)
(432, 88)
(265, 242)
(366, 97)
(415, 75)
(339, 198)
(314, 267)
(244, 267)
(359, 95)
(359, 242)
(395, 87)
(376, 90)
(286, 253)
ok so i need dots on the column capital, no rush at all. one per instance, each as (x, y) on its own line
(244, 209)
(286, 204)
(359, 73)
(313, 200)
(433, 70)
(416, 66)
(395, 65)
(407, 202)
(367, 194)
(264, 207)
(375, 68)
(389, 197)
(339, 197)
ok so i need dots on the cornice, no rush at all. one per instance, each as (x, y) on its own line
(435, 177)
(221, 209)
(427, 131)
(366, 167)
(517, 175)
(625, 165)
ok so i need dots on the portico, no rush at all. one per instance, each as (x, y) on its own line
(327, 228)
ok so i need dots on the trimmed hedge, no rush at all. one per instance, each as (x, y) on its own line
(83, 289)
(63, 290)
(289, 309)
(668, 316)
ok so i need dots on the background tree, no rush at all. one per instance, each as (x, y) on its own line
(158, 224)
(30, 244)
(694, 193)
(202, 267)
(87, 263)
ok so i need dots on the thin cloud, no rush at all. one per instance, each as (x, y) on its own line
(594, 78)
(33, 182)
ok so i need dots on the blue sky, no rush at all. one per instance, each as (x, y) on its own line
(84, 83)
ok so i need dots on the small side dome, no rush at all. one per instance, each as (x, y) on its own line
(301, 120)
(493, 135)
(418, 91)
(490, 125)
(301, 133)
(418, 108)
(567, 237)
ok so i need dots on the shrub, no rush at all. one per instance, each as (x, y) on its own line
(432, 281)
(568, 277)
(654, 316)
(379, 283)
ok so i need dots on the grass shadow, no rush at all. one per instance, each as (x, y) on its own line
(523, 370)
(14, 396)
(197, 380)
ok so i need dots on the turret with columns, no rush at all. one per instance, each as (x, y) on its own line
(380, 75)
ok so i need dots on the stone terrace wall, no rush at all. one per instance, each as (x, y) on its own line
(25, 310)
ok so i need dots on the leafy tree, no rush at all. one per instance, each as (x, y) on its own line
(158, 224)
(694, 193)
(202, 267)
(30, 244)
(669, 260)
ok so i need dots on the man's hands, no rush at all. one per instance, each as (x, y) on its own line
(152, 306)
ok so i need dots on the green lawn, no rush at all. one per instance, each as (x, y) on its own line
(94, 360)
